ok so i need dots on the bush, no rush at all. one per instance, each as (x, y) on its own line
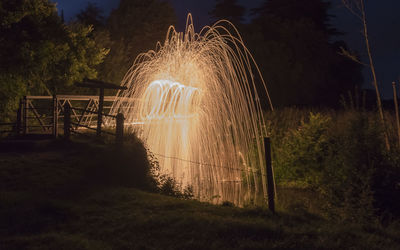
(302, 152)
(169, 186)
(356, 152)
(165, 184)
(130, 166)
(127, 166)
(342, 157)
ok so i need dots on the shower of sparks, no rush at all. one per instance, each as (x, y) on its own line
(195, 104)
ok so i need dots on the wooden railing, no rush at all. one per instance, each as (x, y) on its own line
(46, 114)
(70, 126)
(41, 114)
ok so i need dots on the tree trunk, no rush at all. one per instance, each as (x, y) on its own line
(375, 82)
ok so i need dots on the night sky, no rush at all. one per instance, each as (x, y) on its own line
(382, 18)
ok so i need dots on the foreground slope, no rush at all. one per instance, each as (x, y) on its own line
(76, 196)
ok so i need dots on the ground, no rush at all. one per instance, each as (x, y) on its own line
(57, 195)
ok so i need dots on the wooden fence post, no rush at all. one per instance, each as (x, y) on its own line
(67, 121)
(25, 116)
(55, 116)
(270, 175)
(119, 129)
(18, 126)
(100, 112)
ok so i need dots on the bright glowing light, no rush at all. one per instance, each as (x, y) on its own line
(164, 99)
(197, 109)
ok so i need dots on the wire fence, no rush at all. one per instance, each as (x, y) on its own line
(253, 171)
(257, 172)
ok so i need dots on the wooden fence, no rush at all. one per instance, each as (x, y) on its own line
(46, 114)
(70, 126)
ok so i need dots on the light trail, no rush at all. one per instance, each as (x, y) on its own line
(195, 98)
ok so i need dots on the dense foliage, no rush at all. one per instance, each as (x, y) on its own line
(342, 157)
(39, 54)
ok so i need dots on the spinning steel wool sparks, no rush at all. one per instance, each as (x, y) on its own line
(194, 103)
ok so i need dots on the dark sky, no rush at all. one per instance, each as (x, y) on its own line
(383, 23)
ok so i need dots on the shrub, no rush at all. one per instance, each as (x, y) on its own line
(356, 152)
(342, 157)
(127, 166)
(165, 184)
(300, 155)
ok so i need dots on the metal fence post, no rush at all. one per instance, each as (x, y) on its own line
(67, 121)
(119, 129)
(270, 175)
(55, 116)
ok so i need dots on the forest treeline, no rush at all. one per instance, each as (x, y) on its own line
(293, 42)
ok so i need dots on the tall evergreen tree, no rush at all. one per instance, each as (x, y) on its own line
(291, 41)
(134, 27)
(92, 15)
(229, 10)
(314, 11)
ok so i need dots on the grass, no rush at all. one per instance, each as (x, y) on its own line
(72, 196)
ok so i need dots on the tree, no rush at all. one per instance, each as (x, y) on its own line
(357, 8)
(290, 40)
(92, 15)
(134, 27)
(229, 10)
(39, 54)
(315, 11)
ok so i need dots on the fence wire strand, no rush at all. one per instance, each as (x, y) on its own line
(211, 165)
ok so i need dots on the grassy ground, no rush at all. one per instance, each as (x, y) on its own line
(71, 196)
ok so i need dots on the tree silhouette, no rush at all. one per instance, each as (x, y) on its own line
(357, 8)
(229, 10)
(291, 41)
(314, 11)
(134, 27)
(92, 15)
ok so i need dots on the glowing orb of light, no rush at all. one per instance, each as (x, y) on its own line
(194, 102)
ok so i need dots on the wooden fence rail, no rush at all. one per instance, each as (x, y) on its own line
(48, 114)
(119, 128)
